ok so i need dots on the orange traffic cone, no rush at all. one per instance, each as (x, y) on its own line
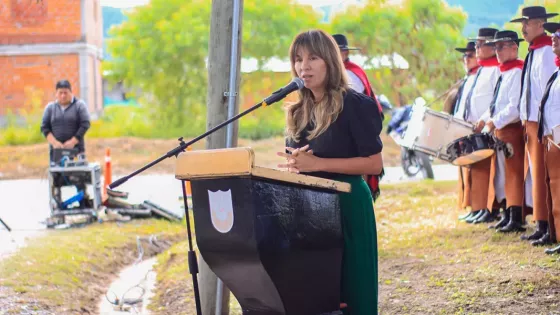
(107, 173)
(189, 191)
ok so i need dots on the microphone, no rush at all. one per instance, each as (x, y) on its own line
(296, 84)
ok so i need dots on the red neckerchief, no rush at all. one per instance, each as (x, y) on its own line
(474, 70)
(363, 77)
(490, 62)
(541, 41)
(360, 73)
(557, 61)
(508, 65)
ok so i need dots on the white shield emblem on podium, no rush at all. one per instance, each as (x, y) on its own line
(221, 210)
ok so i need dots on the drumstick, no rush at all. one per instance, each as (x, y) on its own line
(445, 93)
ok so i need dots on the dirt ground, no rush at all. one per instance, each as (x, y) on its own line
(130, 154)
(429, 263)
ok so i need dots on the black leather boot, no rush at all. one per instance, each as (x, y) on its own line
(552, 251)
(504, 220)
(471, 215)
(514, 224)
(489, 216)
(465, 216)
(483, 216)
(475, 216)
(542, 229)
(544, 240)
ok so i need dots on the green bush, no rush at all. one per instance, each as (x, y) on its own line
(24, 128)
(16, 133)
(146, 121)
(122, 121)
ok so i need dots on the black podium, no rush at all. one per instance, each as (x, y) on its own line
(274, 238)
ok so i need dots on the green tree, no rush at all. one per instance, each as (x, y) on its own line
(423, 32)
(162, 47)
(161, 50)
(270, 26)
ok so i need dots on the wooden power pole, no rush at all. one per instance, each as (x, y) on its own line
(219, 91)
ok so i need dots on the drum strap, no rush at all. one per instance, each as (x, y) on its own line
(495, 98)
(527, 65)
(469, 96)
(543, 103)
(459, 96)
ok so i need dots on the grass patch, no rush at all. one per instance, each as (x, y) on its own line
(174, 293)
(430, 263)
(68, 270)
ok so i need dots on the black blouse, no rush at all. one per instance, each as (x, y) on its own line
(355, 133)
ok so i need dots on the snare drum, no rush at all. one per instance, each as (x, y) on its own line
(471, 149)
(431, 132)
(475, 148)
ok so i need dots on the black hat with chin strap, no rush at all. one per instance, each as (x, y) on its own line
(485, 33)
(343, 42)
(506, 36)
(533, 12)
(470, 47)
(552, 27)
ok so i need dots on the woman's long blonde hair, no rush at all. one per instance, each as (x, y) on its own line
(305, 110)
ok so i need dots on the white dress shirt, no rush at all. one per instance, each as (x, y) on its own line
(542, 68)
(466, 88)
(355, 82)
(551, 115)
(506, 110)
(483, 92)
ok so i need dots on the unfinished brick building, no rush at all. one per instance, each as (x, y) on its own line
(43, 41)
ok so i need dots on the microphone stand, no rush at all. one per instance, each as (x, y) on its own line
(192, 261)
(5, 225)
(183, 145)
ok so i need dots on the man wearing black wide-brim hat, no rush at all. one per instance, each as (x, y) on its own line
(549, 133)
(539, 66)
(477, 102)
(502, 118)
(357, 79)
(471, 67)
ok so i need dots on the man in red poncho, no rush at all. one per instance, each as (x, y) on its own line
(359, 82)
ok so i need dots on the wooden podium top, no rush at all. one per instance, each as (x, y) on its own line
(241, 162)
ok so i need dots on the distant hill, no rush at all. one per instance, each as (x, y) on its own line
(484, 13)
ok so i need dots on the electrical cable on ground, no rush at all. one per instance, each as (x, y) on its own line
(128, 304)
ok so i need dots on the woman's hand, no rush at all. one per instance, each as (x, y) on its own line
(300, 160)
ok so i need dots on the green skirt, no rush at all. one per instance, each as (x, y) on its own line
(359, 287)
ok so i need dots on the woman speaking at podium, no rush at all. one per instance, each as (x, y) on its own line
(333, 132)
